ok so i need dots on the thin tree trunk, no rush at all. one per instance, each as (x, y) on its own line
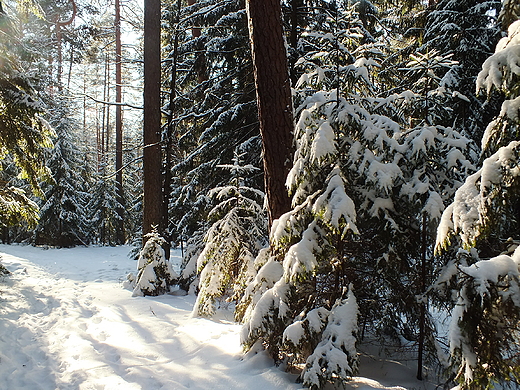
(69, 76)
(120, 232)
(152, 160)
(107, 107)
(293, 39)
(104, 120)
(58, 27)
(98, 141)
(274, 100)
(422, 305)
(60, 55)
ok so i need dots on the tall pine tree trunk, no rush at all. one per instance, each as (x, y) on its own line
(120, 233)
(274, 100)
(152, 160)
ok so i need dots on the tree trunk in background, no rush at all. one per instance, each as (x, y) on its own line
(106, 112)
(293, 39)
(58, 25)
(120, 232)
(274, 100)
(105, 117)
(152, 201)
(422, 307)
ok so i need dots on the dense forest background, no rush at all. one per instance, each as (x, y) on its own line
(402, 171)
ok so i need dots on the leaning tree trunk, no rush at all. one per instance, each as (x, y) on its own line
(274, 100)
(152, 160)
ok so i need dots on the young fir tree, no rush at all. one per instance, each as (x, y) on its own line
(102, 206)
(238, 231)
(483, 219)
(155, 274)
(63, 212)
(214, 114)
(435, 160)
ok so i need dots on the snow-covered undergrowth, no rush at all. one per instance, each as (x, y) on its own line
(67, 323)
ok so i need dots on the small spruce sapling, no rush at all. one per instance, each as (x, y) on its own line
(3, 271)
(238, 232)
(155, 274)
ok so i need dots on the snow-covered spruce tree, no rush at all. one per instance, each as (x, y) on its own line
(63, 212)
(435, 160)
(484, 331)
(102, 206)
(468, 31)
(155, 274)
(214, 114)
(295, 307)
(238, 231)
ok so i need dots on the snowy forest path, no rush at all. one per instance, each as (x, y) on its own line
(66, 323)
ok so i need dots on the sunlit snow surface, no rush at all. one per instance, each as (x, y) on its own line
(67, 323)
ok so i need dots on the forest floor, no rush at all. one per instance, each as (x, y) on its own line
(66, 322)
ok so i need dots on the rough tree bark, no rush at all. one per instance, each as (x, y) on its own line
(274, 100)
(152, 199)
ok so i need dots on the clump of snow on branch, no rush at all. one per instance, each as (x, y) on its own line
(478, 198)
(336, 206)
(502, 71)
(499, 69)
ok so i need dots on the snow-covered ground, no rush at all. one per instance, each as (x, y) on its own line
(67, 323)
